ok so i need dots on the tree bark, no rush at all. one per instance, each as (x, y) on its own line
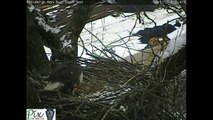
(72, 30)
(76, 24)
(36, 56)
(37, 61)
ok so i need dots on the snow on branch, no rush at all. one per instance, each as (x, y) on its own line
(46, 27)
(174, 46)
(31, 7)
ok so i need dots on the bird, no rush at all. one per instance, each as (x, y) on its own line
(157, 31)
(153, 42)
(64, 78)
(147, 55)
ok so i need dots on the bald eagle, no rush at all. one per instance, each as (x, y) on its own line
(64, 78)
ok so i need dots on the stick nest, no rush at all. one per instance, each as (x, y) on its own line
(115, 90)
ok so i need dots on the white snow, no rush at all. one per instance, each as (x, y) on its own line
(122, 108)
(69, 16)
(111, 29)
(61, 26)
(48, 52)
(46, 27)
(175, 45)
(55, 6)
(107, 94)
(63, 37)
(31, 7)
(68, 7)
(66, 43)
(51, 13)
(113, 33)
(109, 1)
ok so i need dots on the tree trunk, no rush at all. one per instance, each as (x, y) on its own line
(36, 56)
(72, 30)
(76, 24)
(37, 61)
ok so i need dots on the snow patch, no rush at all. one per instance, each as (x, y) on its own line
(55, 6)
(48, 52)
(175, 45)
(46, 27)
(62, 38)
(66, 43)
(113, 33)
(31, 7)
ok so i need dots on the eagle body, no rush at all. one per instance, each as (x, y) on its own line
(64, 78)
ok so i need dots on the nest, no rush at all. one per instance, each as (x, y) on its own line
(117, 90)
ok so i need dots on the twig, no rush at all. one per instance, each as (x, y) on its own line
(82, 45)
(131, 56)
(98, 40)
(107, 112)
(149, 18)
(133, 77)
